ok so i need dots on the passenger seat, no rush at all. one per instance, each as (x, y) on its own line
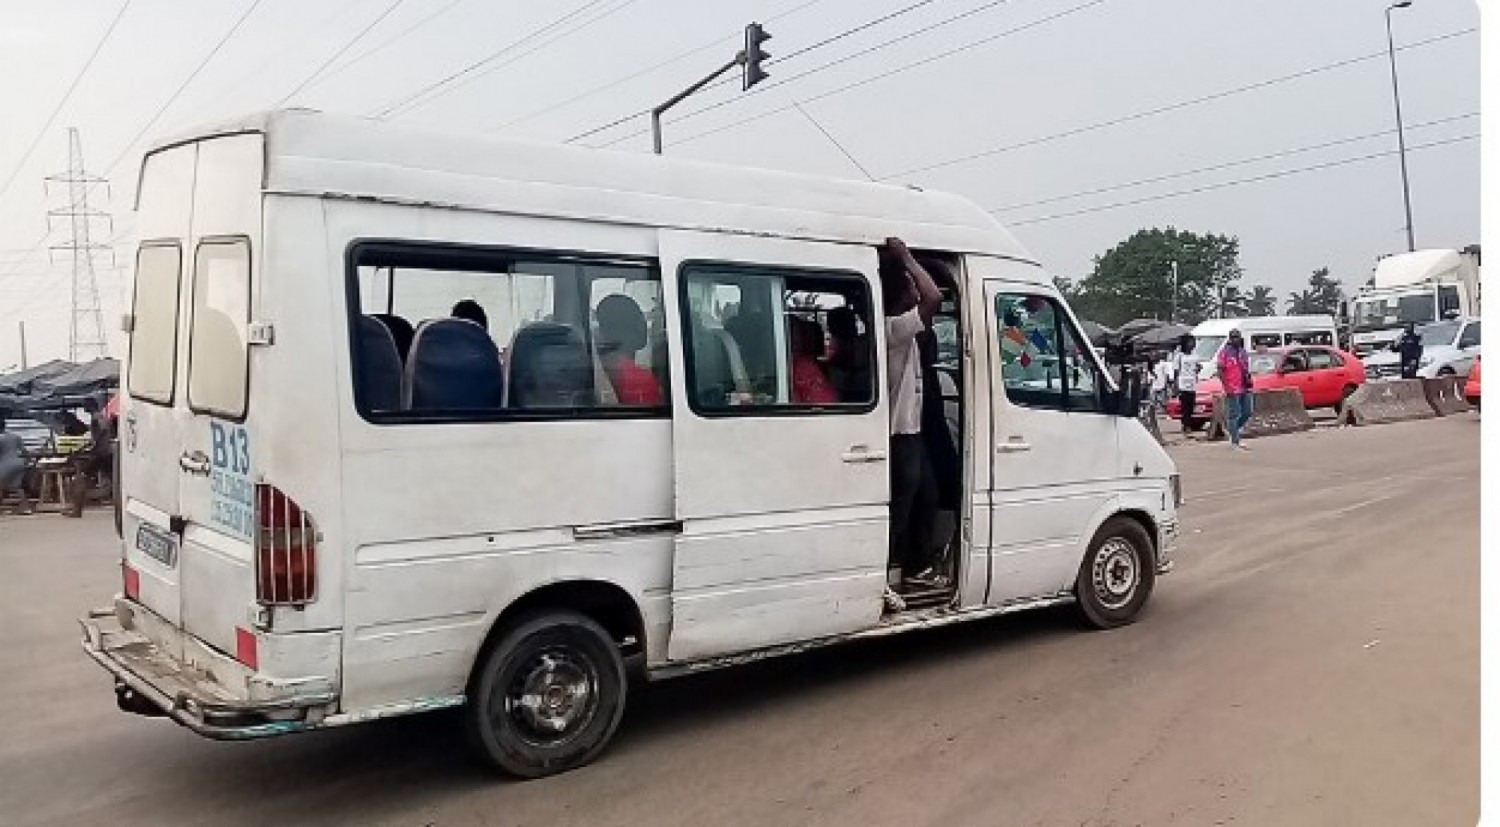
(453, 366)
(378, 383)
(549, 366)
(401, 332)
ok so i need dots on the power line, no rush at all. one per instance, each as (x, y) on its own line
(438, 84)
(388, 42)
(287, 47)
(835, 142)
(1172, 107)
(646, 71)
(349, 44)
(608, 12)
(1241, 181)
(825, 66)
(1157, 179)
(72, 87)
(1041, 21)
(193, 75)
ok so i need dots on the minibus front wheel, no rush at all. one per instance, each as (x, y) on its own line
(1117, 575)
(548, 696)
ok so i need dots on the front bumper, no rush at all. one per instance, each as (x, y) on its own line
(1166, 547)
(145, 672)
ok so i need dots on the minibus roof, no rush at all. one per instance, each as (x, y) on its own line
(1256, 324)
(339, 156)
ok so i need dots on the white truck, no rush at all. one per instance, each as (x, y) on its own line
(1419, 287)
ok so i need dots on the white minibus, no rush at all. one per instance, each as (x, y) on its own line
(416, 421)
(1261, 332)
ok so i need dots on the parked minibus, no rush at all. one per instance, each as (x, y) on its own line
(1261, 333)
(417, 421)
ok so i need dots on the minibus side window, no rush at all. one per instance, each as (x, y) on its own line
(449, 332)
(1043, 361)
(1311, 337)
(153, 332)
(218, 356)
(762, 340)
(1265, 340)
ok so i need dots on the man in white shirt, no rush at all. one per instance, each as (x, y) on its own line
(911, 299)
(1186, 366)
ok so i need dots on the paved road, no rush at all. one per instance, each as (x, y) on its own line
(1313, 661)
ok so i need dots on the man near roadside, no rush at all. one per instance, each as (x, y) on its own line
(911, 299)
(1239, 387)
(1185, 367)
(1410, 348)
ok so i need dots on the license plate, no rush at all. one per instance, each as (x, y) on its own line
(157, 544)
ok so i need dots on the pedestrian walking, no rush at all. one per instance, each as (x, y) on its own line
(1186, 368)
(1239, 387)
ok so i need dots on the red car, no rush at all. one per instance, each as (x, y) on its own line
(1324, 375)
(1471, 387)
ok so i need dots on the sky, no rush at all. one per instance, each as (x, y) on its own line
(1077, 121)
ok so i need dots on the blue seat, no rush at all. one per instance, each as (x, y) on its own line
(548, 366)
(401, 332)
(453, 366)
(378, 383)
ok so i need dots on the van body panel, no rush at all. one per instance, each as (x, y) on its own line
(794, 475)
(151, 430)
(1054, 471)
(218, 580)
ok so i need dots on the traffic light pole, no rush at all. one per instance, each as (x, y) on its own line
(656, 113)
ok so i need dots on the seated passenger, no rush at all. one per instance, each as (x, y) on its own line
(622, 334)
(849, 363)
(809, 385)
(472, 311)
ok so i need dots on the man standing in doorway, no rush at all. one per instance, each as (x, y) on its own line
(911, 299)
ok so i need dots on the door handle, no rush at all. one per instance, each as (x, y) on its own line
(195, 463)
(862, 453)
(1014, 445)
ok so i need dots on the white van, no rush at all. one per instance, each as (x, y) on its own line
(341, 503)
(1261, 332)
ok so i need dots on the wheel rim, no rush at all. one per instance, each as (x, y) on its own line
(551, 697)
(1117, 573)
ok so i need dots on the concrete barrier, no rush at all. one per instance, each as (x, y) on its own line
(1276, 412)
(1446, 395)
(1374, 403)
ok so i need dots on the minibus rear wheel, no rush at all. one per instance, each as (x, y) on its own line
(548, 696)
(1117, 574)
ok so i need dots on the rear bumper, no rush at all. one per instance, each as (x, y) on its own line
(188, 695)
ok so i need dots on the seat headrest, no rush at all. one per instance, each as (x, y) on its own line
(549, 367)
(453, 365)
(401, 332)
(378, 385)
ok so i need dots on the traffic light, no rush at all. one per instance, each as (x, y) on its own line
(755, 54)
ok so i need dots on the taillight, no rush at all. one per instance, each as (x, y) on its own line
(286, 550)
(132, 583)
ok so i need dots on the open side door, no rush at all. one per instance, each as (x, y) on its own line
(783, 501)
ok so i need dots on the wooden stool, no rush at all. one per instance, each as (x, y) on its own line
(55, 481)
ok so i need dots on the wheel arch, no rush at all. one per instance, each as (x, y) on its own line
(607, 604)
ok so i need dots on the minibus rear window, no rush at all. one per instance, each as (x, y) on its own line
(153, 331)
(218, 356)
(447, 332)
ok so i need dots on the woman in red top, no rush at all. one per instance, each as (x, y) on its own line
(810, 385)
(1239, 387)
(622, 334)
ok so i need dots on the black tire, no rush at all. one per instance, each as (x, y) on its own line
(1446, 372)
(549, 659)
(1338, 407)
(1117, 574)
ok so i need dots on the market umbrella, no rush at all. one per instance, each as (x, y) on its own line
(1162, 335)
(1096, 333)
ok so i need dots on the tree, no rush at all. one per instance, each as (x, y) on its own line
(1133, 279)
(1260, 301)
(1322, 296)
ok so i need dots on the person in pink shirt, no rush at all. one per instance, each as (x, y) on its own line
(1239, 387)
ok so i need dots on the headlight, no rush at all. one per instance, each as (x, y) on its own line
(1175, 481)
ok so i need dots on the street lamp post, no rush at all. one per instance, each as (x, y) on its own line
(1174, 293)
(1390, 43)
